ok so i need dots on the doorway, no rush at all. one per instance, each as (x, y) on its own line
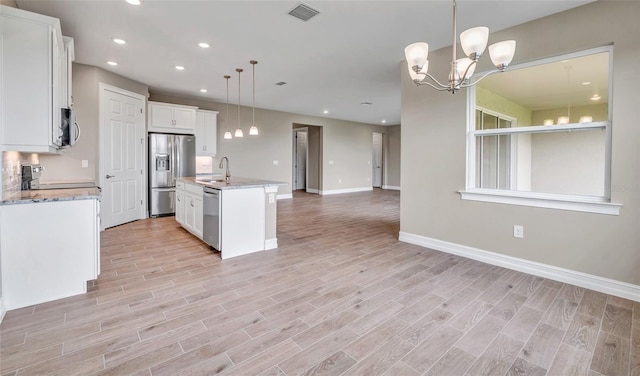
(121, 156)
(377, 160)
(300, 158)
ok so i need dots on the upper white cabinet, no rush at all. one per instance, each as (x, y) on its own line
(66, 93)
(172, 118)
(32, 55)
(206, 132)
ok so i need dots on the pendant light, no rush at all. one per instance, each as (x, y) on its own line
(238, 130)
(227, 134)
(253, 131)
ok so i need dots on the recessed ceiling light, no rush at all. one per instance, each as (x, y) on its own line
(113, 63)
(325, 111)
(119, 41)
(384, 121)
(203, 90)
(133, 2)
(179, 67)
(586, 83)
(203, 45)
(595, 97)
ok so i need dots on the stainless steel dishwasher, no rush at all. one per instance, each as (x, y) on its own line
(211, 220)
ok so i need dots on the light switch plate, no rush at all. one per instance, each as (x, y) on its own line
(85, 163)
(272, 198)
(275, 162)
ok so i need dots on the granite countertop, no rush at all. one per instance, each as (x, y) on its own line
(50, 195)
(235, 183)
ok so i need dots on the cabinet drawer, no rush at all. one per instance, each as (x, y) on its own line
(195, 189)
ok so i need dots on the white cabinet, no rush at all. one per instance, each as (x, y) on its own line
(49, 250)
(68, 56)
(180, 202)
(206, 133)
(191, 215)
(173, 118)
(31, 57)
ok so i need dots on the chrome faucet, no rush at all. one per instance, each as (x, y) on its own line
(227, 175)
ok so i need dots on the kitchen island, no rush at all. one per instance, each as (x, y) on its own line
(50, 244)
(236, 218)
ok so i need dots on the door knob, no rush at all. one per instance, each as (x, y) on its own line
(110, 176)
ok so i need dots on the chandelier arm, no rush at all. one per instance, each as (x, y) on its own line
(420, 83)
(481, 78)
(434, 80)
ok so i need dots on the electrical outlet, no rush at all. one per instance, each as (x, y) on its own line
(272, 198)
(339, 181)
(518, 231)
(275, 162)
(330, 162)
(85, 163)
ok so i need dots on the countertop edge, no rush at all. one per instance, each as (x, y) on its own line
(53, 195)
(236, 183)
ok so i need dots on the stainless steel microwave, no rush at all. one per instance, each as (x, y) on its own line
(70, 129)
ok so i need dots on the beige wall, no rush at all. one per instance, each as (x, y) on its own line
(392, 142)
(347, 144)
(68, 167)
(9, 3)
(494, 102)
(597, 111)
(433, 156)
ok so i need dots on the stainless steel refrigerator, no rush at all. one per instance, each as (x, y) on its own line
(170, 156)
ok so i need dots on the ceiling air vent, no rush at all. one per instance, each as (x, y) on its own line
(303, 12)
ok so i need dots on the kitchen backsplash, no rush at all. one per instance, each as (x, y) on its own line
(11, 171)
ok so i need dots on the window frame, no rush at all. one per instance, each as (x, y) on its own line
(582, 203)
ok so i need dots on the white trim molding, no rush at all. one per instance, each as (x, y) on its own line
(284, 196)
(348, 190)
(2, 309)
(540, 200)
(601, 284)
(391, 187)
(270, 244)
(313, 190)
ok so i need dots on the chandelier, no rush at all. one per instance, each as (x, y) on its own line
(473, 42)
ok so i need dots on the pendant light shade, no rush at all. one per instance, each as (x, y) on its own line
(239, 132)
(474, 41)
(253, 131)
(227, 134)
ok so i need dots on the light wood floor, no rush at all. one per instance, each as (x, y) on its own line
(339, 296)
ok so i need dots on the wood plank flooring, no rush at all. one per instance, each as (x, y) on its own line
(340, 296)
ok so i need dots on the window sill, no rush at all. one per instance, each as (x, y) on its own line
(585, 204)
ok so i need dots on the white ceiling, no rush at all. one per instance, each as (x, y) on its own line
(346, 55)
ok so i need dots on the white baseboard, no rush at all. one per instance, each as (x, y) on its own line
(391, 187)
(601, 284)
(270, 244)
(313, 190)
(284, 196)
(2, 309)
(348, 190)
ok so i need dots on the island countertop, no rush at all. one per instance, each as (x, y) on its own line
(50, 195)
(217, 182)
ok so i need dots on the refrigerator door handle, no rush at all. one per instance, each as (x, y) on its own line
(177, 149)
(173, 161)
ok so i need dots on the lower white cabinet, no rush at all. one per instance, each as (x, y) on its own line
(180, 202)
(191, 216)
(49, 250)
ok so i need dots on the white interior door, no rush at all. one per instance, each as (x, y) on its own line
(301, 160)
(122, 148)
(377, 160)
